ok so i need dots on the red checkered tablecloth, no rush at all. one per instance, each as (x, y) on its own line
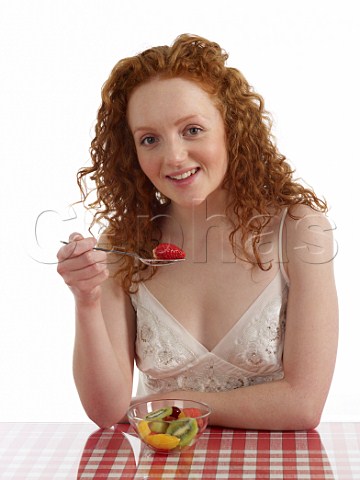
(75, 451)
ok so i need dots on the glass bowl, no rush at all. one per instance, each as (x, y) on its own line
(169, 425)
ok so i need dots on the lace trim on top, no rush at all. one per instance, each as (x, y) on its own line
(170, 358)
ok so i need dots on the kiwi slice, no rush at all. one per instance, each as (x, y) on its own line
(158, 426)
(158, 414)
(185, 429)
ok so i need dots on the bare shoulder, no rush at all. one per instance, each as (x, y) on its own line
(309, 238)
(310, 253)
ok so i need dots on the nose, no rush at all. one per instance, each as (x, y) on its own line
(174, 153)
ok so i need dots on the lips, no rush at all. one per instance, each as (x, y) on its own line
(184, 175)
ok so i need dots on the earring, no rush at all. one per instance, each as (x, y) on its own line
(161, 198)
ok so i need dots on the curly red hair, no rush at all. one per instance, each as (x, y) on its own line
(259, 179)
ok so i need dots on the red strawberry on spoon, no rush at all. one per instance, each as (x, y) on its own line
(168, 251)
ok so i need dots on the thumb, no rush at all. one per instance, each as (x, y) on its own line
(75, 236)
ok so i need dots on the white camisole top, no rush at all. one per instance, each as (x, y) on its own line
(169, 358)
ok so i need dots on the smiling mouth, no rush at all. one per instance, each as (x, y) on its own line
(187, 174)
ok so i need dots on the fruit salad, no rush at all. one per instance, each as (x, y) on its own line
(170, 427)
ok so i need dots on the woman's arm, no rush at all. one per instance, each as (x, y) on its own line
(296, 401)
(105, 332)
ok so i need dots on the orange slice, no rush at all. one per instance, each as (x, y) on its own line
(163, 441)
(143, 429)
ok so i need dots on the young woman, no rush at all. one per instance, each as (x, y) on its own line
(183, 153)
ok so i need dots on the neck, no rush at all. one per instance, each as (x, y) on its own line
(213, 207)
(195, 227)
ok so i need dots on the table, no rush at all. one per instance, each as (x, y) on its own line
(50, 451)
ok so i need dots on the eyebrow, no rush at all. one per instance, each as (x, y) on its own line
(180, 120)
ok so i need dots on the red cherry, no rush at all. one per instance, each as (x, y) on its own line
(175, 412)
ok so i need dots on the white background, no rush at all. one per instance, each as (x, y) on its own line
(55, 55)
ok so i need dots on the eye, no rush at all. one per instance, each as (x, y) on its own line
(149, 140)
(192, 131)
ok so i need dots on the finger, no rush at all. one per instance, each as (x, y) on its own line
(76, 248)
(78, 264)
(87, 277)
(79, 269)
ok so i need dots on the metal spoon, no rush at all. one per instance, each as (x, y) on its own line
(153, 262)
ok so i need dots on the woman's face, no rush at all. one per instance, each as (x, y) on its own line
(180, 139)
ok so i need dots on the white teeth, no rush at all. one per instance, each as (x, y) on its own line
(184, 175)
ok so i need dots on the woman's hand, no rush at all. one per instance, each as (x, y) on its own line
(82, 268)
